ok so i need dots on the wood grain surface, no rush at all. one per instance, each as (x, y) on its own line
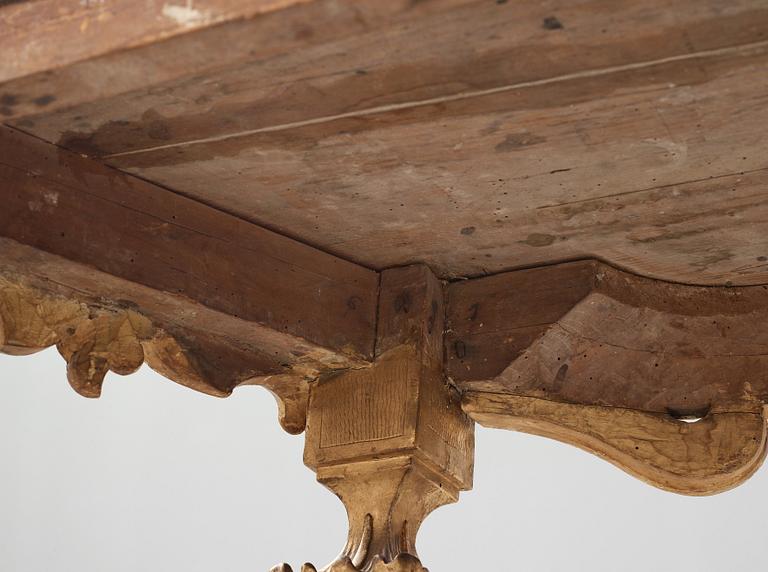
(44, 35)
(74, 207)
(470, 135)
(586, 333)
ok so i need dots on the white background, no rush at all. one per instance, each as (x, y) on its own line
(155, 477)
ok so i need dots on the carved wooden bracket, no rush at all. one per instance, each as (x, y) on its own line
(92, 342)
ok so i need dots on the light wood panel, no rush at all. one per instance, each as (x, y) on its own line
(319, 59)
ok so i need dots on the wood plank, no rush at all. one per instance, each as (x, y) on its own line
(43, 35)
(404, 53)
(63, 53)
(709, 456)
(652, 169)
(588, 334)
(73, 207)
(493, 320)
(530, 143)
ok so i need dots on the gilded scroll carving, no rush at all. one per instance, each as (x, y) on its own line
(96, 339)
(93, 341)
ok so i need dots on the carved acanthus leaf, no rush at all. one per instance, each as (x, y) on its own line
(92, 340)
(104, 342)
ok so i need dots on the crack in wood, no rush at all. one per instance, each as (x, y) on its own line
(739, 49)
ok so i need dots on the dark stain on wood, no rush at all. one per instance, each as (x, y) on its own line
(539, 239)
(403, 303)
(44, 100)
(552, 23)
(516, 141)
(432, 316)
(9, 100)
(152, 126)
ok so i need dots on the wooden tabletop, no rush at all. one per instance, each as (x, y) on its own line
(472, 135)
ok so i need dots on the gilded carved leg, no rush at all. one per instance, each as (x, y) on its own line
(391, 441)
(386, 501)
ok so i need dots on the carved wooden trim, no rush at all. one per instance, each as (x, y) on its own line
(184, 340)
(92, 340)
(95, 339)
(702, 457)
